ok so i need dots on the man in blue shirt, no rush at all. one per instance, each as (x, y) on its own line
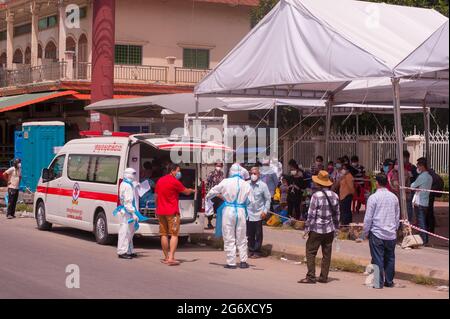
(381, 222)
(421, 198)
(257, 211)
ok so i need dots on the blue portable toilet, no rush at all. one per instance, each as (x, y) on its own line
(39, 141)
(18, 144)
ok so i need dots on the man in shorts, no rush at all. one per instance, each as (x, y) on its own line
(167, 190)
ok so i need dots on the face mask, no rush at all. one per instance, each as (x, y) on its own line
(338, 166)
(386, 169)
(218, 168)
(344, 171)
(419, 171)
(19, 165)
(293, 172)
(396, 167)
(354, 164)
(178, 175)
(254, 177)
(330, 168)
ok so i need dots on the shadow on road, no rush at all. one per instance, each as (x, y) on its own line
(140, 242)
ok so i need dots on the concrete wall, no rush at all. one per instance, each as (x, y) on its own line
(163, 28)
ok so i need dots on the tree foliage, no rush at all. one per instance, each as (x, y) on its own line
(439, 5)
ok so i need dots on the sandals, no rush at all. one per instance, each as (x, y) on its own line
(172, 262)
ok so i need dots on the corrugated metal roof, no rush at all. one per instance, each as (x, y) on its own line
(9, 103)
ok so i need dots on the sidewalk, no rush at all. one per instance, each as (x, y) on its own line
(423, 261)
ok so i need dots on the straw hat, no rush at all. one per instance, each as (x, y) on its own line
(322, 179)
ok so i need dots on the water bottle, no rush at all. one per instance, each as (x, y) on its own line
(337, 244)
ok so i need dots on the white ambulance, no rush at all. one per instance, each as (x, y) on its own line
(80, 187)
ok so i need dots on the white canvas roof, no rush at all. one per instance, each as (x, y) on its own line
(311, 48)
(184, 103)
(412, 92)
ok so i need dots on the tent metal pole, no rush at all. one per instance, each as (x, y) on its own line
(399, 135)
(275, 121)
(426, 126)
(329, 105)
(196, 106)
(275, 126)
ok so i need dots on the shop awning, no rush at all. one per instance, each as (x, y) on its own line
(9, 103)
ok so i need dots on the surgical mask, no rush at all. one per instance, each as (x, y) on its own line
(386, 169)
(218, 168)
(344, 171)
(338, 165)
(178, 175)
(254, 177)
(293, 172)
(419, 171)
(354, 164)
(19, 165)
(396, 167)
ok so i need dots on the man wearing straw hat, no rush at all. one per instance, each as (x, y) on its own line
(321, 227)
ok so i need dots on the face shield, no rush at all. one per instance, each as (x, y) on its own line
(129, 174)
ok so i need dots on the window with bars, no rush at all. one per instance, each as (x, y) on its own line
(22, 29)
(128, 54)
(47, 22)
(196, 58)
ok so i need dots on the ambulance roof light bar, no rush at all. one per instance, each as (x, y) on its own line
(104, 133)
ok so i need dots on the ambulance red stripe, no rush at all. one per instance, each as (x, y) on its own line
(218, 147)
(83, 194)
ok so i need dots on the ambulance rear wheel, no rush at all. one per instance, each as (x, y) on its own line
(41, 221)
(101, 230)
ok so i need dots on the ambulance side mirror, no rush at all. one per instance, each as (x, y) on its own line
(45, 175)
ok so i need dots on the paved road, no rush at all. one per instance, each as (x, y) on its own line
(33, 265)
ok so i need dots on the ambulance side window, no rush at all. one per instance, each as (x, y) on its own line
(56, 168)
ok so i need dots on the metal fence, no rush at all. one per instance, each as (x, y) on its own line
(439, 151)
(373, 149)
(26, 75)
(189, 76)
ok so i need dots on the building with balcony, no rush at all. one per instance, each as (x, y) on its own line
(161, 46)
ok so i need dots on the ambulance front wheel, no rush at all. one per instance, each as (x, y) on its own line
(101, 230)
(41, 221)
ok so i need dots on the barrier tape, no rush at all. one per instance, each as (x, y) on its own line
(424, 190)
(407, 223)
(404, 221)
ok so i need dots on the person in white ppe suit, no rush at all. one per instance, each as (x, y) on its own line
(127, 214)
(232, 215)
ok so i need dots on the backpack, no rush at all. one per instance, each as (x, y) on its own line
(438, 184)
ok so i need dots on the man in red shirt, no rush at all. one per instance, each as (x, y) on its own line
(167, 191)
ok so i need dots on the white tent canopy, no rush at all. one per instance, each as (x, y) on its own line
(430, 56)
(184, 103)
(313, 48)
(434, 93)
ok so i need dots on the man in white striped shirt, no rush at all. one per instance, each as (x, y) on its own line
(381, 223)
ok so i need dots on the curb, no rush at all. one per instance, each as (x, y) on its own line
(402, 270)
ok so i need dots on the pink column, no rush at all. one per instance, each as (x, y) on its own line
(102, 80)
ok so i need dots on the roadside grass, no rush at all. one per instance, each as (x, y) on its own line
(347, 265)
(21, 207)
(423, 280)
